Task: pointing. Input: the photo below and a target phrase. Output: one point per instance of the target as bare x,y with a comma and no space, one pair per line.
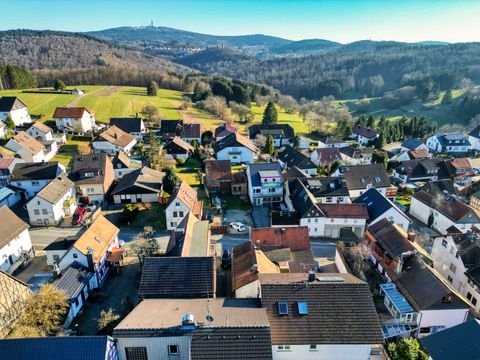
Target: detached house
30,178
191,132
190,238
282,134
141,185
363,135
457,258
224,130
183,200
236,148
325,157
114,140
443,212
356,156
324,316
265,183
121,164
289,157
74,119
6,169
178,148
13,107
448,143
361,178
218,176
134,126
29,149
93,175
53,203
93,248
474,138
412,144
330,142
15,243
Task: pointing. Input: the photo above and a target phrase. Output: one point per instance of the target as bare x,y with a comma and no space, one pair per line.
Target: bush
180,161
128,214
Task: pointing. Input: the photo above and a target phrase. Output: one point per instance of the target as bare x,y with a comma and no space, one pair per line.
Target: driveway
260,216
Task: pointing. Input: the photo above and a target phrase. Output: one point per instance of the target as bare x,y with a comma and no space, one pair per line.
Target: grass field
67,151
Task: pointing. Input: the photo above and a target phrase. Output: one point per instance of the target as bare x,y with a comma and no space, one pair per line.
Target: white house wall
19,116
323,352
442,317
245,156
249,291
14,249
157,346
173,221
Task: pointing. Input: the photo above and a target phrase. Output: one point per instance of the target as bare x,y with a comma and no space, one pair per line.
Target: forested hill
61,50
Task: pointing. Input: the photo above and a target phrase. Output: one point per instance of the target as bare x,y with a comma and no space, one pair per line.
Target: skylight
282,308
302,308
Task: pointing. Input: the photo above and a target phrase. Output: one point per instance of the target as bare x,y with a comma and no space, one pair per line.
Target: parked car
238,226
78,215
92,206
226,259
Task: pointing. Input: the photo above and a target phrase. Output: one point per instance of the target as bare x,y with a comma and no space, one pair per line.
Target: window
173,224
309,220
313,347
36,183
283,308
36,212
424,330
177,204
38,202
75,256
453,268
136,353
444,243
447,299
173,349
283,347
450,279
44,212
302,308
180,213
474,301
175,214
469,296
316,220
329,199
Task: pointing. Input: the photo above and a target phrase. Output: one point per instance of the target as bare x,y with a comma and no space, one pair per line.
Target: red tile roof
70,112
218,170
295,238
352,211
6,162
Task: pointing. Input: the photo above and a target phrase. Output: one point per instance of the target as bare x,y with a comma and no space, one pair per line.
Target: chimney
188,321
411,237
311,276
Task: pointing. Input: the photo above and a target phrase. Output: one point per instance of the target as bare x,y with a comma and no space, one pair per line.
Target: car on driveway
238,226
226,259
92,206
78,215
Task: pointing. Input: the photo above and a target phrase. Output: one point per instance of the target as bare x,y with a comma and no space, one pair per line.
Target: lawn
189,171
150,215
67,151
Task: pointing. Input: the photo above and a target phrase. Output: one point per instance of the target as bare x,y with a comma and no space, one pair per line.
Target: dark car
78,215
226,259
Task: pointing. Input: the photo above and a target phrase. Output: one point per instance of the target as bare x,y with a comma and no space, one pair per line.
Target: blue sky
339,20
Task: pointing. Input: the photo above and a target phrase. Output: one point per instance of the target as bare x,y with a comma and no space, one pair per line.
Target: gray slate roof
358,177
141,181
73,280
292,157
35,171
255,170
129,125
9,103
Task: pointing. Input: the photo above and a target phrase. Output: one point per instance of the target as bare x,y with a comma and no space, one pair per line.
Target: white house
352,156
141,185
331,141
282,134
181,202
33,177
121,164
114,140
327,189
363,135
265,183
15,243
134,126
448,143
379,207
361,178
41,131
443,213
456,258
93,248
178,148
29,149
13,107
474,138
413,144
297,310
53,203
74,119
288,157
236,148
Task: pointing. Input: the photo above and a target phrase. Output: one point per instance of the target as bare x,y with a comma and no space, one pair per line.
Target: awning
115,255
396,297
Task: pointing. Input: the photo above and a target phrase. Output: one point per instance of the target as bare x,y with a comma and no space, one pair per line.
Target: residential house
474,138
76,282
265,183
9,197
379,208
282,134
363,135
178,148
300,143
16,109
191,132
141,185
190,238
5,153
40,131
460,170
420,303
328,141
442,212
457,258
236,148
457,342
239,183
218,176
134,126
29,149
92,249
30,178
114,140
324,316
121,164
171,277
224,130
440,188
448,143
183,200
288,157
361,178
53,203
60,348
15,243
170,128
390,246
352,156
324,219
6,169
93,175
212,329
413,144
328,189
411,155
324,157
475,201
57,249
74,119
13,294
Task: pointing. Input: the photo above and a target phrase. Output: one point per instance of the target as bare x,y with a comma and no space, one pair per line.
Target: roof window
283,308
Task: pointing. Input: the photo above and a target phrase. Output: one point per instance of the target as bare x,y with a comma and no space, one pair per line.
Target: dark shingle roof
58,348
340,311
326,186
453,140
390,238
234,139
303,201
475,132
458,342
35,171
129,125
218,170
292,157
231,343
83,164
140,181
358,177
365,132
256,168
439,187
376,203
412,143
121,160
224,130
177,277
9,103
191,130
276,130
73,280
